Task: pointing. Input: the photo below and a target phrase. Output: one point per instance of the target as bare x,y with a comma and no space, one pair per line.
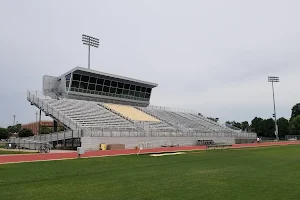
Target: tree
14,129
213,119
60,129
263,127
295,110
234,125
46,130
283,126
267,128
4,133
256,125
295,125
25,132
245,126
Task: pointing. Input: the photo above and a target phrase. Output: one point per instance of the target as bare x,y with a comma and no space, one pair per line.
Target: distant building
35,126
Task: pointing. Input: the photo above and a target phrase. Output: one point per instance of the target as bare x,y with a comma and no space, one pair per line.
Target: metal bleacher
89,114
88,118
140,118
185,122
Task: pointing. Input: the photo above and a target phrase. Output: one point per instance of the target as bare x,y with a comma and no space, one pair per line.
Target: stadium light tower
90,41
273,79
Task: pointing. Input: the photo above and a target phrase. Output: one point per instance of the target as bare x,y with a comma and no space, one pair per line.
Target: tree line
266,127
5,133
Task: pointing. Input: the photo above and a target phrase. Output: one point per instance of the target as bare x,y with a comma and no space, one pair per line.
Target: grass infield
250,173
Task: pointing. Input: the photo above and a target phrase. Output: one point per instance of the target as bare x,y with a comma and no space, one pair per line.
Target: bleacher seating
185,121
90,114
132,113
89,118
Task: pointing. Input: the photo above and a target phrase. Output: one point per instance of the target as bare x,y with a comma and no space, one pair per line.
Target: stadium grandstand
96,107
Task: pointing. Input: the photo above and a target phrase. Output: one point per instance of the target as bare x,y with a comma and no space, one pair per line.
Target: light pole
90,41
273,79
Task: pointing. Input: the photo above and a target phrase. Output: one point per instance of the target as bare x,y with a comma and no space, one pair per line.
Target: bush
25,132
4,133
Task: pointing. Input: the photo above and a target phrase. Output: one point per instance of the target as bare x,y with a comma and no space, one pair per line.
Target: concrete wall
92,143
50,83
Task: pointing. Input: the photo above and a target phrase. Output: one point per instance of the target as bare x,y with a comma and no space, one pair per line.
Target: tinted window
142,94
85,78
126,86
75,84
100,81
92,80
137,94
119,91
131,93
105,89
91,86
125,92
114,83
132,87
68,77
112,90
120,85
83,85
99,88
107,82
76,77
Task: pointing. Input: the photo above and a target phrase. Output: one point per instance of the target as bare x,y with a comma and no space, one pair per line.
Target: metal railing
156,133
27,143
292,137
39,100
172,109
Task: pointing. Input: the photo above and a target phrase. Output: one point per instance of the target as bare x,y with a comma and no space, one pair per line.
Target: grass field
3,151
2,145
250,173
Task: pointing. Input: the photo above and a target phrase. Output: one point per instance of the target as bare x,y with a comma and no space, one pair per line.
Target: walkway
18,158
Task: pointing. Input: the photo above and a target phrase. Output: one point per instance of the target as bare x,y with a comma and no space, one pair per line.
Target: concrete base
93,143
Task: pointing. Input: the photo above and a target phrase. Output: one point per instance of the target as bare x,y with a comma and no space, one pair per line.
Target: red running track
18,158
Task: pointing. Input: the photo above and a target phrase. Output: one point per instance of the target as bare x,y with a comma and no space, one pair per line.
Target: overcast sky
210,56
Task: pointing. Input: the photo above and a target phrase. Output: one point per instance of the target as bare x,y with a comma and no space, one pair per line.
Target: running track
15,158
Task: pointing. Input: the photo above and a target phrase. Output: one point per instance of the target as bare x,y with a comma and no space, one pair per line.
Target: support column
54,126
40,122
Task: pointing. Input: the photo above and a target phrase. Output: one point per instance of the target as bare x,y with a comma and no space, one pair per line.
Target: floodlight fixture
91,42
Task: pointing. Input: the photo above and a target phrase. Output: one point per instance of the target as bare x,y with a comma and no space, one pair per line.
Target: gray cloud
209,56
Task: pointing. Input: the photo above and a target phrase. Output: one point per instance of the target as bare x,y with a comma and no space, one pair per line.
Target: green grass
2,145
256,173
3,151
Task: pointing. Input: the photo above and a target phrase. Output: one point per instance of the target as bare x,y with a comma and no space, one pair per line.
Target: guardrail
27,144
